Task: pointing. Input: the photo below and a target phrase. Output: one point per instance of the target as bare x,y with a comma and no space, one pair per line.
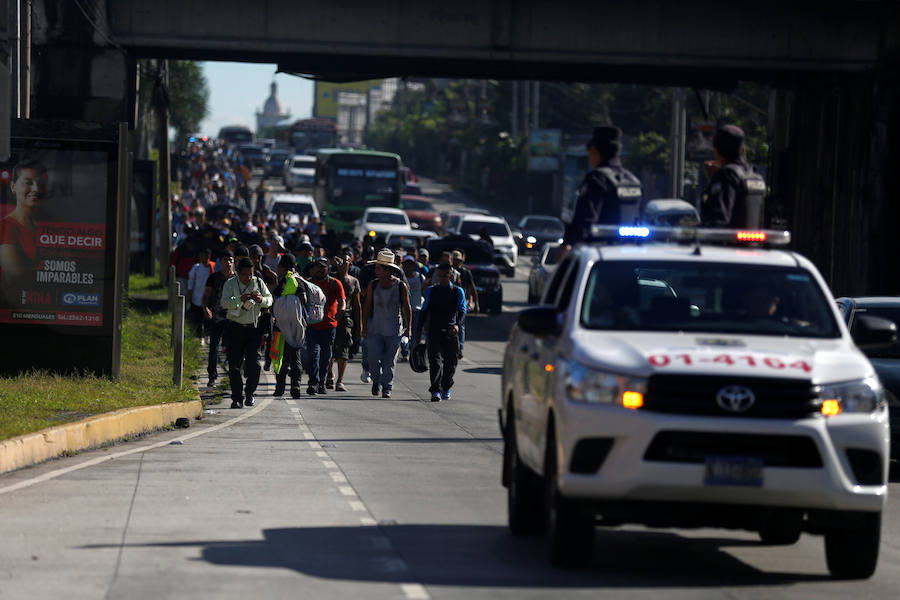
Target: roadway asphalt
351,496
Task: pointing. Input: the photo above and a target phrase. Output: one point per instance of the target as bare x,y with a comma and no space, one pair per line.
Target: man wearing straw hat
386,318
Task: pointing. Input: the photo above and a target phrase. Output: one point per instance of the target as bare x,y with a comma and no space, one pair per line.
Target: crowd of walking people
311,311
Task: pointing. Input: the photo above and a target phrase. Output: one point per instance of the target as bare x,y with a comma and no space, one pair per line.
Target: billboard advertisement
59,243
326,104
544,149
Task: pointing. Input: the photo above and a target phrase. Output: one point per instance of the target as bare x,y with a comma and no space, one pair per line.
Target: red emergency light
751,236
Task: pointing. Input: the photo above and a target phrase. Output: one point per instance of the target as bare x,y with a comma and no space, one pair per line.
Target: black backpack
748,208
629,192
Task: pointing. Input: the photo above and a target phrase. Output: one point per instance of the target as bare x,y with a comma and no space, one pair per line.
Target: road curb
33,448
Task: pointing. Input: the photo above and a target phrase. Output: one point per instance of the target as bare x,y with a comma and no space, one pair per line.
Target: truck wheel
523,491
570,530
853,553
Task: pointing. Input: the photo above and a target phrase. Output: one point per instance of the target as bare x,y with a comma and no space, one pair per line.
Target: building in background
271,115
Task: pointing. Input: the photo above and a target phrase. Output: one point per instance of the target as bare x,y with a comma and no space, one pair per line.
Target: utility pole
515,111
161,104
676,143
536,106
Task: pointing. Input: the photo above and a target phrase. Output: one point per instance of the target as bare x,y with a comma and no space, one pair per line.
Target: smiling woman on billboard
18,230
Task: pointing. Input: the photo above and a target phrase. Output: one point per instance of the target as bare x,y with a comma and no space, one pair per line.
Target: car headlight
531,239
862,396
584,384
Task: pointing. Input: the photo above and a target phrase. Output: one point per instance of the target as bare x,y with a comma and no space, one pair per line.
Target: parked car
421,212
542,269
480,260
300,172
535,231
411,239
885,360
255,156
497,229
670,212
296,207
277,159
379,222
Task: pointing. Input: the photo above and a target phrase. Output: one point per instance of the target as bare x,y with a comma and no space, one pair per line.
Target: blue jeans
462,333
318,354
364,351
383,359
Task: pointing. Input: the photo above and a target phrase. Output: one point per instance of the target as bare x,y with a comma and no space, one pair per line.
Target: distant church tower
272,113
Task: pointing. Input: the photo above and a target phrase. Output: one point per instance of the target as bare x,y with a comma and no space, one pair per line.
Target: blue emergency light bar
685,235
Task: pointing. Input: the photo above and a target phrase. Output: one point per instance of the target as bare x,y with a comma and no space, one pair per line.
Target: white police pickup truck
694,378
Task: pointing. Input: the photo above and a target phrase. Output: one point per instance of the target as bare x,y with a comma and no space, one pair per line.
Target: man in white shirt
197,277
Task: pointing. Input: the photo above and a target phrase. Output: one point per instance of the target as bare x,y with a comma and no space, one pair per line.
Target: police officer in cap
609,194
735,195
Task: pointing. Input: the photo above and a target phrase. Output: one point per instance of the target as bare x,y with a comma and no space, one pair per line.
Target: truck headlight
584,384
862,396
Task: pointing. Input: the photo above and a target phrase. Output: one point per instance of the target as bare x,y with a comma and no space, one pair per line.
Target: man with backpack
243,297
320,335
289,310
442,312
736,194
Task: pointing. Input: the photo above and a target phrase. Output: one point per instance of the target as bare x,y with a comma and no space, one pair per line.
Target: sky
238,90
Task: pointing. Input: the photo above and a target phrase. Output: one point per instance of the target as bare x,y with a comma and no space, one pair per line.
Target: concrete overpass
834,116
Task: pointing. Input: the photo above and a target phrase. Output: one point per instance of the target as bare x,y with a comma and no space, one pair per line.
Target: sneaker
340,387
212,382
386,394
310,391
329,384
236,404
321,390
445,395
435,397
375,389
279,389
249,401
295,392
364,377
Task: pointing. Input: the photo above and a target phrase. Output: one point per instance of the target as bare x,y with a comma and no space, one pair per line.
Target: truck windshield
707,298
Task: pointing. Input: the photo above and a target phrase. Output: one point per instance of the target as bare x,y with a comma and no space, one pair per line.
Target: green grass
146,285
33,401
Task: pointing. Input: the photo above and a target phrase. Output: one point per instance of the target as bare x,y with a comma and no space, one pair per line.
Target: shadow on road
485,370
488,556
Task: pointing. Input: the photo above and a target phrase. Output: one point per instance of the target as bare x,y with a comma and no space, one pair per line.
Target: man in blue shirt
442,313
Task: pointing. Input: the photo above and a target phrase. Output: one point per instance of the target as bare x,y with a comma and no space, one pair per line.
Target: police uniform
609,195
735,195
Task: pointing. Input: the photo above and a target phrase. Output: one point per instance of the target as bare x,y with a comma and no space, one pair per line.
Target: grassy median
36,400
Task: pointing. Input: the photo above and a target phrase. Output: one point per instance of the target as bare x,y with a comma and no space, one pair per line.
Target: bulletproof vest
629,194
750,203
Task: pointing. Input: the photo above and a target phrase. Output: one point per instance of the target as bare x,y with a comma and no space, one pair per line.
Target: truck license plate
734,470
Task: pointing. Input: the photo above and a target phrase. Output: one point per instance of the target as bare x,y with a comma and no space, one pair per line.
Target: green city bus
348,181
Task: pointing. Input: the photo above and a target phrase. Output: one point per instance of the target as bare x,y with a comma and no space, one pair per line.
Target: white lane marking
329,464
294,409
315,445
346,490
291,402
321,454
308,435
415,591
367,521
101,459
357,506
379,543
338,477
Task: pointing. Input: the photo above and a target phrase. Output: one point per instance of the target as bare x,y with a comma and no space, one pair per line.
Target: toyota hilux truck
694,378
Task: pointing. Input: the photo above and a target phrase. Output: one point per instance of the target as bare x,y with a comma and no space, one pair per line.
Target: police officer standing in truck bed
609,194
735,194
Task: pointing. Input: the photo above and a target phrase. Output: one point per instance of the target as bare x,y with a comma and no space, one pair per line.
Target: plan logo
80,299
